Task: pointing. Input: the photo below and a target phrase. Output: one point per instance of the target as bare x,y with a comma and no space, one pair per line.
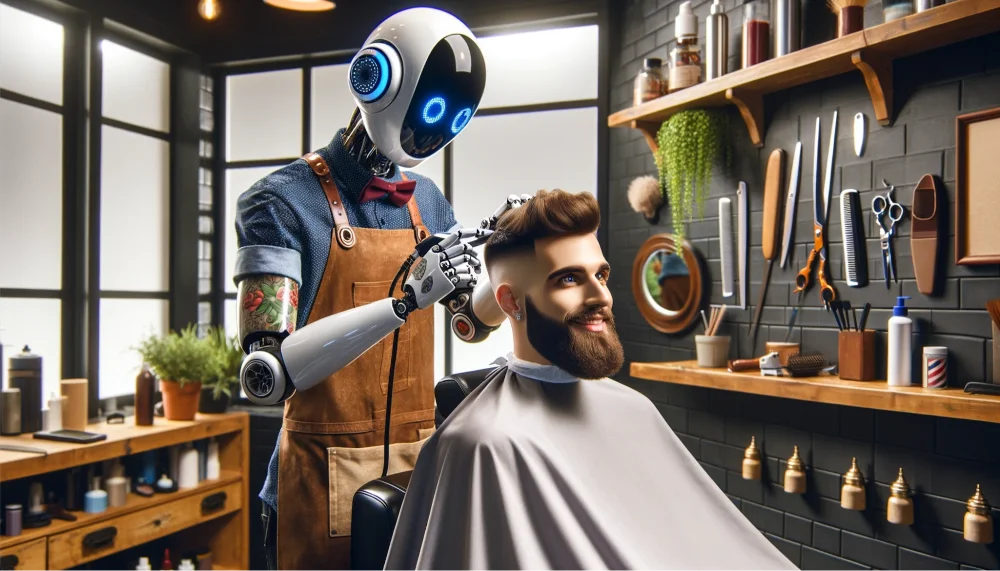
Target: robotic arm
474,310
285,362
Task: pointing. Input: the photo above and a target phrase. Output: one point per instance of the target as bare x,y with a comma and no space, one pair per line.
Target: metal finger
460,261
464,282
447,242
525,198
457,250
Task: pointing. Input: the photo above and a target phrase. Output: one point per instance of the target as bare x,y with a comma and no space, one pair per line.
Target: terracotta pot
180,403
210,405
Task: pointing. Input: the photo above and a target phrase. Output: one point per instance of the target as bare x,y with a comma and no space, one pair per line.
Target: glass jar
896,9
756,33
685,66
649,84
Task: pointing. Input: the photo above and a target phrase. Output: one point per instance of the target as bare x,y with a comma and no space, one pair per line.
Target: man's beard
581,353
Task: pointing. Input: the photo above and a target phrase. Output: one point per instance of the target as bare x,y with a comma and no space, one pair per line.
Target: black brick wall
942,459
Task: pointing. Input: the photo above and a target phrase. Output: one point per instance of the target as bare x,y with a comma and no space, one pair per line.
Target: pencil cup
856,355
712,350
784,350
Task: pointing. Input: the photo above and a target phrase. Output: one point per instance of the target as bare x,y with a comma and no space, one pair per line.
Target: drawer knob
9,562
100,538
214,502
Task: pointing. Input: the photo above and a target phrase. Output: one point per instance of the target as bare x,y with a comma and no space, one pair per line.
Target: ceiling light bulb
303,5
209,9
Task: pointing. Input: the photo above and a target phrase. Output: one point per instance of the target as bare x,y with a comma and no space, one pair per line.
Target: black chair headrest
450,390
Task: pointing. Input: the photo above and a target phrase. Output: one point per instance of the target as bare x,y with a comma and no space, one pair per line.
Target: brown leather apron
333,434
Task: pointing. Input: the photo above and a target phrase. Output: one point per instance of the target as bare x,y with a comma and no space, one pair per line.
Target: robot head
418,81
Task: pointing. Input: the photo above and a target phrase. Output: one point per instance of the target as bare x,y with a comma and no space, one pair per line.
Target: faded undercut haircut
548,214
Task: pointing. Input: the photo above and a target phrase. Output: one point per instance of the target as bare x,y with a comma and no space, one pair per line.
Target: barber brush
795,475
852,494
645,197
751,461
808,365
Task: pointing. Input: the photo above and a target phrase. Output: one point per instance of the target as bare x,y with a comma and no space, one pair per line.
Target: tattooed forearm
268,303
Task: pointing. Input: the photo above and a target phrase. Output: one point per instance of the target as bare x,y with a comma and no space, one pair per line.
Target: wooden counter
878,395
216,511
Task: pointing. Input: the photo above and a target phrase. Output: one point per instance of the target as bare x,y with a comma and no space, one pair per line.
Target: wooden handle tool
769,231
739,365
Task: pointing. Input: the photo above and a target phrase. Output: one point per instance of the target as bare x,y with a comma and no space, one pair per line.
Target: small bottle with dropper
685,59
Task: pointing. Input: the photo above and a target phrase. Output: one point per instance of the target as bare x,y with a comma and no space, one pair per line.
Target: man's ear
506,299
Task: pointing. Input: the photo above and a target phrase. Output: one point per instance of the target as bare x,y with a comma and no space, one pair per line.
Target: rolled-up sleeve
267,238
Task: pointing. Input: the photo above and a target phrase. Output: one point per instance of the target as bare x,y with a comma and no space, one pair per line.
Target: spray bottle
900,345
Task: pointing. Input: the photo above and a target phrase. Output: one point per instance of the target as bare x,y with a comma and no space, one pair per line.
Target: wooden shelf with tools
877,395
871,51
215,513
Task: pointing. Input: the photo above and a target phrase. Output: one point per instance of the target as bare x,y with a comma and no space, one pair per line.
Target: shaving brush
850,15
852,494
751,461
978,521
645,197
795,475
900,507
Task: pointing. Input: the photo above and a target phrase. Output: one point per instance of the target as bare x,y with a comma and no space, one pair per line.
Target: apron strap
345,234
420,232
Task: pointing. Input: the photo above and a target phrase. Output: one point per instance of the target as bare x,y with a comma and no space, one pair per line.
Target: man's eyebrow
605,267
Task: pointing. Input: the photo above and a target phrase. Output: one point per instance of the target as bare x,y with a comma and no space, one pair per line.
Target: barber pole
935,367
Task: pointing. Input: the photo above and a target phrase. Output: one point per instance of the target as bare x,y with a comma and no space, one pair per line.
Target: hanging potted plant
222,373
689,144
180,361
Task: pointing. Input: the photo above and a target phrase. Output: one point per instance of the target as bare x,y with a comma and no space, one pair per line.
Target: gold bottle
900,507
978,521
751,461
795,476
852,494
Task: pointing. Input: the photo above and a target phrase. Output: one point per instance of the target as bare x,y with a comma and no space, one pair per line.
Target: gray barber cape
538,470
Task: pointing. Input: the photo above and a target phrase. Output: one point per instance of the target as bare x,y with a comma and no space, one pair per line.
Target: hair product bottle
716,42
900,345
685,59
145,393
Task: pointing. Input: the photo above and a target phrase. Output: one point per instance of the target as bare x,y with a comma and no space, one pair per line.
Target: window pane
237,182
124,324
30,197
31,55
264,115
135,211
36,323
332,103
540,67
136,87
231,318
569,162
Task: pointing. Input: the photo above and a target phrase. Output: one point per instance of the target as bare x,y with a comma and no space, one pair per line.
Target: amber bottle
145,392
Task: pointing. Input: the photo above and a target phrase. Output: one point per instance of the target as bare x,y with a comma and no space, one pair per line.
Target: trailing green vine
688,145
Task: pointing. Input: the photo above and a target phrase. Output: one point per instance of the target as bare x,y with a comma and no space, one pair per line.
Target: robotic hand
299,360
474,310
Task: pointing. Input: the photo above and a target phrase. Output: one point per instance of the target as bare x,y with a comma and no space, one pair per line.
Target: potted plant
688,145
222,372
179,361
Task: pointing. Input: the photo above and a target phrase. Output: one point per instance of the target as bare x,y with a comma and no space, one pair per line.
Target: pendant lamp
303,5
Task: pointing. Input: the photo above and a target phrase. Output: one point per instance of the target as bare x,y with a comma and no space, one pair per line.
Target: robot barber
341,258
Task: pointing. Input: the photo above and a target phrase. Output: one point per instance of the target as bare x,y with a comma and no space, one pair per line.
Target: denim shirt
284,227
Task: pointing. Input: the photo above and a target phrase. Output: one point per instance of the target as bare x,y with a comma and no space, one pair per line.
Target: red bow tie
398,192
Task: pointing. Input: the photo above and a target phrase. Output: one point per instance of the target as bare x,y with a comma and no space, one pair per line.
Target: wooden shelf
871,51
948,403
123,439
133,503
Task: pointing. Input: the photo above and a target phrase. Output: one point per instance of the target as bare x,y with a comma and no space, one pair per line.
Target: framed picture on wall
977,195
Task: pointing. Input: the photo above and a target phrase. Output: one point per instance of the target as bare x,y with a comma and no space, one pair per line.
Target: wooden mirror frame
688,314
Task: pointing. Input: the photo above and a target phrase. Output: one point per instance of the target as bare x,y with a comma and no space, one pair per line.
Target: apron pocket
380,355
351,468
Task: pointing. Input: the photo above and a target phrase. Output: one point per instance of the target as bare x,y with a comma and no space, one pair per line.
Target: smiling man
551,464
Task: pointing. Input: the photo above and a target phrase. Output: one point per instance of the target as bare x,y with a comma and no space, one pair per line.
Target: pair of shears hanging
885,207
821,203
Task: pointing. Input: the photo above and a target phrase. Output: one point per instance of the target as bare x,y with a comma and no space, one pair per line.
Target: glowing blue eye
434,110
461,120
370,76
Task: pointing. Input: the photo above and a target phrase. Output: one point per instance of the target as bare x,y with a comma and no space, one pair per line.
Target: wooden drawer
85,544
30,555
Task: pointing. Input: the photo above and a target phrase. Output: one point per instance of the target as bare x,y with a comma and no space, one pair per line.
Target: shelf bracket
877,72
751,106
649,130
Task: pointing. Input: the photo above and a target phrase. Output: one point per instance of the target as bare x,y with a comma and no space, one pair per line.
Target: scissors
885,207
821,200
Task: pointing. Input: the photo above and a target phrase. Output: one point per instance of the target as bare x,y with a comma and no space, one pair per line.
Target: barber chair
376,504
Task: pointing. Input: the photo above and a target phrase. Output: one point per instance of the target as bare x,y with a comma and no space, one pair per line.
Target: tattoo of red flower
252,300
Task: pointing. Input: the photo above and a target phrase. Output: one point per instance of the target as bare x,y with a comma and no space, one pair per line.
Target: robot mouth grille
259,379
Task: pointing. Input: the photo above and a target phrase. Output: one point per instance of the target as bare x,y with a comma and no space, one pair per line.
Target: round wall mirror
667,286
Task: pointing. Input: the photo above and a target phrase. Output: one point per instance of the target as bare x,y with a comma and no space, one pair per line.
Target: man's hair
549,213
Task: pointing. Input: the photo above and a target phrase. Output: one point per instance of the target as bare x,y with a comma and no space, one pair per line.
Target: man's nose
598,293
